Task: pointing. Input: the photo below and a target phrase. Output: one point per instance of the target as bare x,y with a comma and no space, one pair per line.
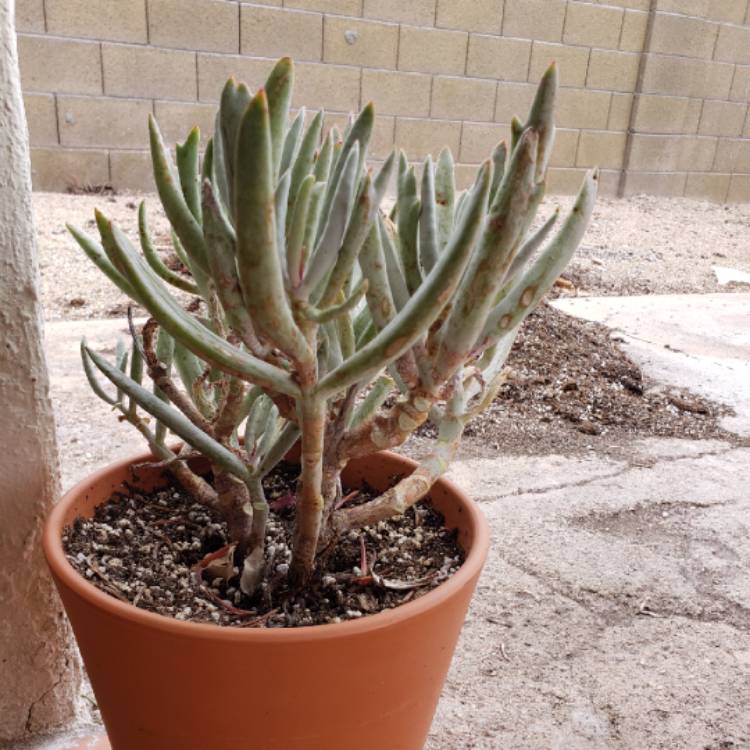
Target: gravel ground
649,245
642,245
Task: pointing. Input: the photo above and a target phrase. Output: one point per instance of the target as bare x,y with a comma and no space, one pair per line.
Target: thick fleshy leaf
153,259
305,158
501,236
423,307
174,203
193,334
297,225
292,142
536,281
188,167
278,89
257,257
327,248
428,230
173,419
96,254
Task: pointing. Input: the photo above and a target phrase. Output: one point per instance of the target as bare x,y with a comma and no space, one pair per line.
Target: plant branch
158,373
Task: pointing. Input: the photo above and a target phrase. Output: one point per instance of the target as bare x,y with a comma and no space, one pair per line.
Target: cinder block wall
440,72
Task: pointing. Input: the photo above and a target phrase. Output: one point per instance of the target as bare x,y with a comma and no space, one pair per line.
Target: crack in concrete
630,465
615,612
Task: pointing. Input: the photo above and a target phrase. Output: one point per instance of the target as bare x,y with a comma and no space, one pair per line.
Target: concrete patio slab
614,610
88,433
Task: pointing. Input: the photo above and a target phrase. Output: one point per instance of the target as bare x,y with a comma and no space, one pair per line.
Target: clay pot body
370,684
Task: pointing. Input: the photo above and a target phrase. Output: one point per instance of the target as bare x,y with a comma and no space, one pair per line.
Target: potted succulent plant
327,324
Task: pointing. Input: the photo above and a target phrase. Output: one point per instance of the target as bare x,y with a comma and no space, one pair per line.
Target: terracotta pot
370,684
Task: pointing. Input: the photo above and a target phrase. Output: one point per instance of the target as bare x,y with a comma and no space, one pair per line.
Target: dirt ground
614,610
641,245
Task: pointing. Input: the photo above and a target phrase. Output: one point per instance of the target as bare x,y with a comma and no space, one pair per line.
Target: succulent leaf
177,422
257,257
424,306
153,259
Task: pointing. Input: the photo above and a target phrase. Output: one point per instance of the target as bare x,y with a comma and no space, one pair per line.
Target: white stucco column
39,672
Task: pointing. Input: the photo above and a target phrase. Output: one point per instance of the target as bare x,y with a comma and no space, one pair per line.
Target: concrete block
573,62
728,11
149,72
333,87
565,148
682,76
633,31
211,25
465,175
397,93
421,137
707,187
432,50
667,184
632,4
564,181
734,44
613,71
478,139
722,118
534,19
668,114
654,152
733,155
740,91
582,108
383,135
739,188
273,32
341,7
417,12
30,15
471,15
609,182
215,70
57,169
697,8
664,153
599,148
316,86
351,41
697,153
593,25
498,57
681,35
463,98
121,21
619,112
41,116
93,121
513,99
177,119
61,65
131,170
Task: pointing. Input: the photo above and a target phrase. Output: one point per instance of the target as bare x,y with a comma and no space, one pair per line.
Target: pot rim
70,577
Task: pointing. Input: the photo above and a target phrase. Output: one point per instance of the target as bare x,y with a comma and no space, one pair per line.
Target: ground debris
570,384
